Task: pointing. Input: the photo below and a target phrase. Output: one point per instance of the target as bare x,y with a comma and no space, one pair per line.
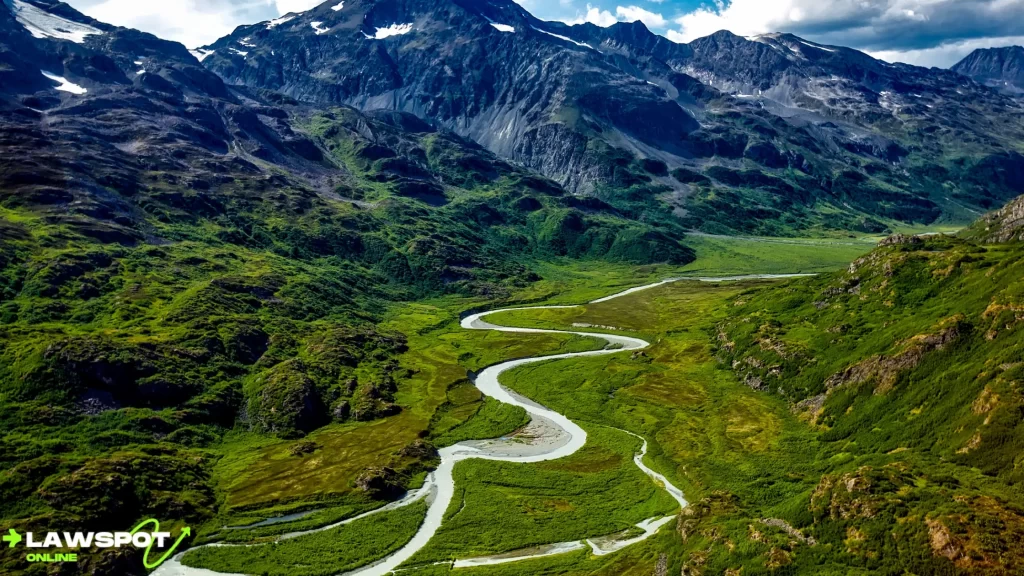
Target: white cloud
944,55
921,29
191,22
594,16
634,13
930,32
751,17
288,6
876,24
605,18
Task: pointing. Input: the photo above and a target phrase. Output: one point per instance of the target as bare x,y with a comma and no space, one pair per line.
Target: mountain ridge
622,94
1000,68
612,99
147,110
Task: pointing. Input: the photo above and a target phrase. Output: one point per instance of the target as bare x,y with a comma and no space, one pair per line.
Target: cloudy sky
925,32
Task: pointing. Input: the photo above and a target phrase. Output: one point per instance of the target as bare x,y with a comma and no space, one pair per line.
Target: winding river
551,436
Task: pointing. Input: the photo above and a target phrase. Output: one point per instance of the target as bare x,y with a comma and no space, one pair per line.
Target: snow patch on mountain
318,27
65,85
278,21
503,27
564,38
393,30
42,24
201,54
817,46
337,7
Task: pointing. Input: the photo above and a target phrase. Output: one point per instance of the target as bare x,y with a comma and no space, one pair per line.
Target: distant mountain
768,134
1000,68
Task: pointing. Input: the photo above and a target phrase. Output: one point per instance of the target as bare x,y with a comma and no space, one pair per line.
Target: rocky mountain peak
631,39
531,91
773,125
1003,225
581,104
1000,68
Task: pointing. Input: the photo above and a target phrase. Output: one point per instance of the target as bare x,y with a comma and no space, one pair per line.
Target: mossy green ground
500,506
741,455
710,434
665,397
441,401
254,476
323,553
908,465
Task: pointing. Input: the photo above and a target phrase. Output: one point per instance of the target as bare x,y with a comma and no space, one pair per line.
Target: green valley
129,375
437,287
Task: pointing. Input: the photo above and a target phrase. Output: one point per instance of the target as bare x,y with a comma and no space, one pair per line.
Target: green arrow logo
156,527
12,538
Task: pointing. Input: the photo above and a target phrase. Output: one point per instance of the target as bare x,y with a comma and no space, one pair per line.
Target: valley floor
720,441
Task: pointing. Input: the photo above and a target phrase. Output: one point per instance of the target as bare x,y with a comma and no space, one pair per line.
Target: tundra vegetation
233,310
863,419
213,382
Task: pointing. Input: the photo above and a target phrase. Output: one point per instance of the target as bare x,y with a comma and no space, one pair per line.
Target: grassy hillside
908,365
170,376
300,353
859,422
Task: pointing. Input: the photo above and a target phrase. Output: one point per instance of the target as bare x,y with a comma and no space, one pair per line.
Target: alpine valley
235,285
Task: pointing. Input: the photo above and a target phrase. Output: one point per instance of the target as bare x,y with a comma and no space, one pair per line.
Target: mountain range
770,134
782,128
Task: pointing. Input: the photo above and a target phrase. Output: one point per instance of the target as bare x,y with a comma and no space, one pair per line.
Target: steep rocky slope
487,70
797,132
1000,68
1004,225
134,135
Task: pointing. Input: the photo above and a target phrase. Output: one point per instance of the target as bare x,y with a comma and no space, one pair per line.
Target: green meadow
740,455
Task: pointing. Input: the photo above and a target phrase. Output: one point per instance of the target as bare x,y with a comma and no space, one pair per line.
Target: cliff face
1005,225
580,104
1000,68
487,70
